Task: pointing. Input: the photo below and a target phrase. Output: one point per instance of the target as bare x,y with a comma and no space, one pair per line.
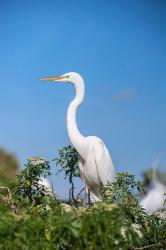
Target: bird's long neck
76,138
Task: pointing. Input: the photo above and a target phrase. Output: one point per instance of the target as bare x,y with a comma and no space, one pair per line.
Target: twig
79,193
146,247
4,198
8,199
1,187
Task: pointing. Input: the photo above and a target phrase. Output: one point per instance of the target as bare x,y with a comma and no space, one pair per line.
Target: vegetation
35,219
9,168
8,165
67,162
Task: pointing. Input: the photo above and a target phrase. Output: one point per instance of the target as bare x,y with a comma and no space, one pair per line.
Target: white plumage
154,200
95,160
97,167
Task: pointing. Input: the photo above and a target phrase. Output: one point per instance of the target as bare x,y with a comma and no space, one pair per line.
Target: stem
79,193
146,247
72,191
30,195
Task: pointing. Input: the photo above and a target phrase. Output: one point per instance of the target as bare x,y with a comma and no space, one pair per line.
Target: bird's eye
67,76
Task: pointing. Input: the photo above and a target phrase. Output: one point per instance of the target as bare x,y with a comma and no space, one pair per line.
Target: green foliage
67,162
28,181
28,193
122,191
118,222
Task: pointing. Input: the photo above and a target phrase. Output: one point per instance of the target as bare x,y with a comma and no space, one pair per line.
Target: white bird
95,162
154,200
44,183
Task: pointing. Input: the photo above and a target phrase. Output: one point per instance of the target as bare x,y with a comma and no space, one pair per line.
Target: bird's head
71,77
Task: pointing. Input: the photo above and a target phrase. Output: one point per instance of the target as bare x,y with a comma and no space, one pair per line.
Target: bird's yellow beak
54,78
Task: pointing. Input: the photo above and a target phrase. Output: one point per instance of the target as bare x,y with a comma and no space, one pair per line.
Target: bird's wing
103,163
93,195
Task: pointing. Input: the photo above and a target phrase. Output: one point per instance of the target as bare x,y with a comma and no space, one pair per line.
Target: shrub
118,222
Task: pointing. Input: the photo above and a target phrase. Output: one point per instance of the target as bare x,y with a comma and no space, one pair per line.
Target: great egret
95,162
154,200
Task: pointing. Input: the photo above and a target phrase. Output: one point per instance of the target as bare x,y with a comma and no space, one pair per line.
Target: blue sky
119,47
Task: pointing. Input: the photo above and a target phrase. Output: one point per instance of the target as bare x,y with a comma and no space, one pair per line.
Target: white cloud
124,96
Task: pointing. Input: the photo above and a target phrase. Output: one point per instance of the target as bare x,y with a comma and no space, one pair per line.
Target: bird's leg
85,187
84,197
89,200
86,192
69,195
